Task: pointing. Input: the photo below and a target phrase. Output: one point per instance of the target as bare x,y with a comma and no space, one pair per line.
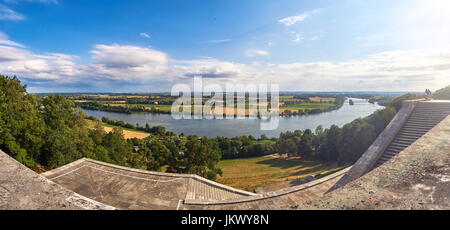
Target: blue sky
147,46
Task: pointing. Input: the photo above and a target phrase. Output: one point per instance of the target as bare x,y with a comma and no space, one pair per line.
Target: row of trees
344,145
93,105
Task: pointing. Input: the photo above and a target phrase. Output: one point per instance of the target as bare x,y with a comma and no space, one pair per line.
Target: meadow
248,174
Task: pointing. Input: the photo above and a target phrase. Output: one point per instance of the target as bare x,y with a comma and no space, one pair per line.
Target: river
239,127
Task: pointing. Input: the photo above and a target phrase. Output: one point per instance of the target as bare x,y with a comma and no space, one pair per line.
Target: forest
48,132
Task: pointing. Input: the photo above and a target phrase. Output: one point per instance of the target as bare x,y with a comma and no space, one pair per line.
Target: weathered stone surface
23,189
417,178
288,198
127,188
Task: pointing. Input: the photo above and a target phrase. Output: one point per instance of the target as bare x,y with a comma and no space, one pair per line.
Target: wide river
239,127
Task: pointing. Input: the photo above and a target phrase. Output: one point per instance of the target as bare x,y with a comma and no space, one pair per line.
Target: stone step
391,152
401,145
412,134
422,123
404,141
396,148
426,118
423,118
428,115
414,131
385,158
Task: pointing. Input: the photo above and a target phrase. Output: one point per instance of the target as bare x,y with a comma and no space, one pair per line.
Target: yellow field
248,174
128,134
323,99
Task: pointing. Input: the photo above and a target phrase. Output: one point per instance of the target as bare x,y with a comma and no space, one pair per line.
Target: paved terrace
126,188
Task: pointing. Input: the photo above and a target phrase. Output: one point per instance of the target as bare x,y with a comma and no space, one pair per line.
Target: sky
143,46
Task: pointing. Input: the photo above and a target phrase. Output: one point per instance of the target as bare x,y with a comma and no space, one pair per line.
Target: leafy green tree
202,156
118,148
22,124
160,152
305,146
333,138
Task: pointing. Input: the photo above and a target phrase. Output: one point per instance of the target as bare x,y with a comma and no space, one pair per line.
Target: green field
163,103
247,174
163,108
309,106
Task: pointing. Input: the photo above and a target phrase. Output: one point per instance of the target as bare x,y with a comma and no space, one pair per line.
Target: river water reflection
239,127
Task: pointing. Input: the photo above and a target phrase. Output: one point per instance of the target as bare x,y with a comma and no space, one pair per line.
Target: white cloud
314,38
134,65
289,21
393,70
5,41
298,38
18,61
145,35
219,41
10,15
254,53
211,68
127,62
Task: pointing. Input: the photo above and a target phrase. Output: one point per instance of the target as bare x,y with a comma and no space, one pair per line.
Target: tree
333,138
67,134
175,159
22,127
305,146
160,152
202,156
117,146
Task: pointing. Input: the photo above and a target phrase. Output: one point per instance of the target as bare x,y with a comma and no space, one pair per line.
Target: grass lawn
247,174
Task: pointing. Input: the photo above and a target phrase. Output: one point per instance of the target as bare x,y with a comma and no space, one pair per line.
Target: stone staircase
198,190
424,117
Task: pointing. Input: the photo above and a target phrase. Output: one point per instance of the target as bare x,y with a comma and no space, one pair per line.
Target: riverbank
289,105
238,127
